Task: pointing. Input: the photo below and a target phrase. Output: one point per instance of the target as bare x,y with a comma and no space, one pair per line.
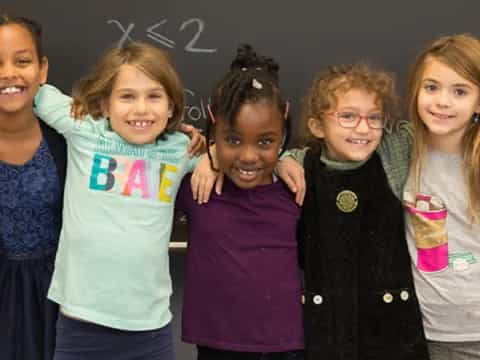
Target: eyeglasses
351,119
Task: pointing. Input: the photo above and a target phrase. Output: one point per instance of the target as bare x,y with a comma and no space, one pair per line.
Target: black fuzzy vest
360,302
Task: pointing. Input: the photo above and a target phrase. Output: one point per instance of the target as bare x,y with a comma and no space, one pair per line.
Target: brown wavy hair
91,90
336,80
461,53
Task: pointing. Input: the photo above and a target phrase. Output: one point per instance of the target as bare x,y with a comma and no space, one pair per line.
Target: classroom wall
303,36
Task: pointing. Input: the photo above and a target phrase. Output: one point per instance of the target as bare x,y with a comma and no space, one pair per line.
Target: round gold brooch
347,201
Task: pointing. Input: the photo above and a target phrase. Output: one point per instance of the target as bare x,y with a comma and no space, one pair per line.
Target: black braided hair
236,89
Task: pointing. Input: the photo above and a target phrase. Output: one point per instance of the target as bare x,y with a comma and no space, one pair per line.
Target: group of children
387,236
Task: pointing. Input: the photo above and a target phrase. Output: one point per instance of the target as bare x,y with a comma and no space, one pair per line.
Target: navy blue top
30,196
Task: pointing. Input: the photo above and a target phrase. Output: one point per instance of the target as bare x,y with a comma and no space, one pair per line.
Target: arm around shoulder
53,107
395,151
290,169
297,154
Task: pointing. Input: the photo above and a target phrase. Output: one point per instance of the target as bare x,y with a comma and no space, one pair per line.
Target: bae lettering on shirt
137,172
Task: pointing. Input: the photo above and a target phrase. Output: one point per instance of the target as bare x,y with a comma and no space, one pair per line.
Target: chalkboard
202,35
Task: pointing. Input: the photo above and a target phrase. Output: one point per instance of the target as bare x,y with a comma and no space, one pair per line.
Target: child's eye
232,140
459,92
126,96
156,96
347,116
265,142
430,87
376,120
375,117
24,61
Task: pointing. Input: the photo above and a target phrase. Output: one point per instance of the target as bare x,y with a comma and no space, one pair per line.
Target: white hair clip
257,84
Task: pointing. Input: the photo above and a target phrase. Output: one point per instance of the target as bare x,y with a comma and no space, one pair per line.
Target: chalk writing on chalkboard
154,33
195,109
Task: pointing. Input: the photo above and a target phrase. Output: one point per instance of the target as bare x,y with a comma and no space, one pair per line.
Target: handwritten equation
157,33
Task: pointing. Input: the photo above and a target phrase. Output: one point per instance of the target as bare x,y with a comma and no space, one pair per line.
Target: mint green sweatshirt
112,262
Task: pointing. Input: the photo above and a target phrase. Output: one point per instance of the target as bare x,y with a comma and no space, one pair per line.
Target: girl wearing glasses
359,299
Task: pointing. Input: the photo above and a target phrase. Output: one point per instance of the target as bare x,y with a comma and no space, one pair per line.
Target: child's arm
395,151
290,169
297,154
53,107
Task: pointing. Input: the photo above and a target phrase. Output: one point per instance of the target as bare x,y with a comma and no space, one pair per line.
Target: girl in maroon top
242,295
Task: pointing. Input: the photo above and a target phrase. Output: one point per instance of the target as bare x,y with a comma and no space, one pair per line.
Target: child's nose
362,126
7,71
443,99
248,154
141,106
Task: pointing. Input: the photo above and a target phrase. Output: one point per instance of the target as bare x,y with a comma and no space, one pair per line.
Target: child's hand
203,179
198,144
78,111
293,174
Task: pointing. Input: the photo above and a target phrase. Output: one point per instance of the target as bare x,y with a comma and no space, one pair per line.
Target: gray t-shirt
445,248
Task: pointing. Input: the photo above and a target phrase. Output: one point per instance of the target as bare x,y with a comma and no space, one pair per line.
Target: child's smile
247,152
446,102
12,94
139,107
247,174
12,90
358,141
441,116
21,72
352,143
140,124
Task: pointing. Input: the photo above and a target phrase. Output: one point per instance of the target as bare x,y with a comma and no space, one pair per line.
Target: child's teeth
362,142
11,90
141,124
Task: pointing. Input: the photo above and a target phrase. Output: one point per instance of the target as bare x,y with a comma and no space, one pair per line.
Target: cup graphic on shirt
428,217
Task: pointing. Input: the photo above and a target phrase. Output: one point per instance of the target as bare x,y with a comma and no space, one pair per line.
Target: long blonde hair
461,53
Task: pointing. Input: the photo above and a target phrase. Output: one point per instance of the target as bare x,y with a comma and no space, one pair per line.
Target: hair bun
248,59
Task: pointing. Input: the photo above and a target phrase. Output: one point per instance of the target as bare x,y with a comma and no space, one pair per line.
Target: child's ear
43,70
316,128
